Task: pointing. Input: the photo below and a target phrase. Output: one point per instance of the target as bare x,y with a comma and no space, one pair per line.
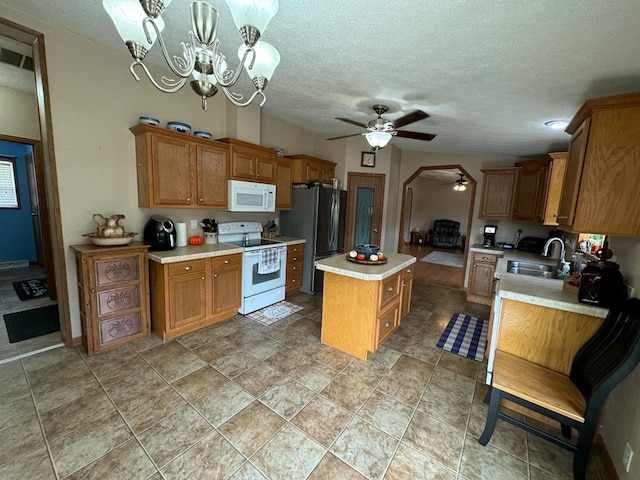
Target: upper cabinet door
213,171
573,172
528,190
243,166
172,171
498,188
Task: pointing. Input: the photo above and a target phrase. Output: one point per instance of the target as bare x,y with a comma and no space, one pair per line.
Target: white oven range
263,264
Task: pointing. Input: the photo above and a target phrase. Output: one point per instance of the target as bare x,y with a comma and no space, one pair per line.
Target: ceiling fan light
459,187
378,139
127,16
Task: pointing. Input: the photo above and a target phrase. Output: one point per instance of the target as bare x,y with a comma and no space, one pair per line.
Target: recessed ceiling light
557,124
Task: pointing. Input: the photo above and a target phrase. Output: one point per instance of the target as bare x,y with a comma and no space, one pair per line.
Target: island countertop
339,265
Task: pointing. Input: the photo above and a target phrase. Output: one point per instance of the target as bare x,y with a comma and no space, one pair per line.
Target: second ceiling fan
380,131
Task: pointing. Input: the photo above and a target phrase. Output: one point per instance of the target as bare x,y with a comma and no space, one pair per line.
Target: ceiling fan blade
416,135
343,136
352,122
409,118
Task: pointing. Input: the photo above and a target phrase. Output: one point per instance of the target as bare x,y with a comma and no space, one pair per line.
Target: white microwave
251,197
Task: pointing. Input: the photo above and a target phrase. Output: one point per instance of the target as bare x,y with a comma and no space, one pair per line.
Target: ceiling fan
460,185
380,131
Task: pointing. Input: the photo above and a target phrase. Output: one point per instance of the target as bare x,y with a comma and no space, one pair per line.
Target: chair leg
492,416
566,431
581,458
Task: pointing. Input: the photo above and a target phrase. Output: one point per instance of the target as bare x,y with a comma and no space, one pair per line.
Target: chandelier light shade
377,139
140,24
459,187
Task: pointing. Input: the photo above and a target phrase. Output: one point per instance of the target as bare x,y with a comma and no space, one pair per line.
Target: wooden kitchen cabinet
179,171
250,162
498,189
310,169
113,290
189,295
284,178
295,257
359,315
530,189
405,292
599,193
483,269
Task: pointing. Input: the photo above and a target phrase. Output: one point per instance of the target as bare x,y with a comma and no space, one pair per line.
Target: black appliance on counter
160,233
531,244
601,281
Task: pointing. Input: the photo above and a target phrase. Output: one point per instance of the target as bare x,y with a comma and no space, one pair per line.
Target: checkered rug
273,313
466,336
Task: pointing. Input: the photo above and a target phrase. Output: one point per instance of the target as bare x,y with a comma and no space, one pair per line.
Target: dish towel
269,261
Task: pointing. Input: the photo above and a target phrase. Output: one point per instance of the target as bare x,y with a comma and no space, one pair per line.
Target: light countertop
341,266
194,252
539,291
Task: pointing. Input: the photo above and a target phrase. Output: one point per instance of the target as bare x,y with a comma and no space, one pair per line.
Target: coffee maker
489,233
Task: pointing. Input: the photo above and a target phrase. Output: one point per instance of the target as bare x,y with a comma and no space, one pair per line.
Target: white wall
433,200
19,114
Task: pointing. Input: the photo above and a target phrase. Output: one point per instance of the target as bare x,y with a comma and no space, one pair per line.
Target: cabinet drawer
407,273
294,257
117,270
295,249
226,260
386,324
181,268
112,301
115,329
484,258
390,289
294,277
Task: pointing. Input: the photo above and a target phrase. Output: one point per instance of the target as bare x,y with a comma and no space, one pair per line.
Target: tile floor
245,401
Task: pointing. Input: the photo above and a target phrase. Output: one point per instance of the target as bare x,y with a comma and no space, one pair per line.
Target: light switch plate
194,224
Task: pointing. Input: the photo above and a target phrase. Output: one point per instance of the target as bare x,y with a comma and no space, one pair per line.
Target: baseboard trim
606,464
76,341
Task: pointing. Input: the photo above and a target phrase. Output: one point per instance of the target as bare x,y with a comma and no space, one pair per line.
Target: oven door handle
257,252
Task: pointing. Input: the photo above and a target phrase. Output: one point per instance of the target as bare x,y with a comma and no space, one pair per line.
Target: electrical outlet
194,224
627,456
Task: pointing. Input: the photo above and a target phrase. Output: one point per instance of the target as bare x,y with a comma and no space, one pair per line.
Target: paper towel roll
181,234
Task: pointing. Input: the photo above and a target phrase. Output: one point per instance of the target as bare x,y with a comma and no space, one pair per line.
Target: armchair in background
445,234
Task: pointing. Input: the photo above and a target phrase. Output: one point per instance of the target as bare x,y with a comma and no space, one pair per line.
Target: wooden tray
367,262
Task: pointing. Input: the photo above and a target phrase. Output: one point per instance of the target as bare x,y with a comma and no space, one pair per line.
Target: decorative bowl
202,134
110,241
367,249
150,121
179,127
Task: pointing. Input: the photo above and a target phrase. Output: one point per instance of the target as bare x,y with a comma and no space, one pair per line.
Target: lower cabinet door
187,304
387,323
119,328
227,286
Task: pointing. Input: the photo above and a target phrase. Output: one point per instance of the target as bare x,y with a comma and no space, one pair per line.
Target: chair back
446,226
610,355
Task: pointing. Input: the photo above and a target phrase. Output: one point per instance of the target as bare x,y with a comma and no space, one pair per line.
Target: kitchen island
363,304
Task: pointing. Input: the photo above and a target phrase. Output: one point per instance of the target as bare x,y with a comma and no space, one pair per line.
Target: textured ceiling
489,73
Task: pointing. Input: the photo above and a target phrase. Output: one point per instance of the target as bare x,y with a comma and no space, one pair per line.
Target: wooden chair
575,400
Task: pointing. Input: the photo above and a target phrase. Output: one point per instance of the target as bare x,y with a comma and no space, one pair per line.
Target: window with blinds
8,185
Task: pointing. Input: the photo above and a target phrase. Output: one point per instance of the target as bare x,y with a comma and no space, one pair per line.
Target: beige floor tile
199,383
459,385
445,406
331,467
48,358
223,403
120,367
259,378
410,464
33,466
51,395
134,386
333,358
126,461
401,387
248,472
347,393
384,356
212,351
173,435
251,428
365,448
169,351
57,372
435,439
16,409
86,444
427,353
479,463
150,409
233,364
287,360
302,454
263,348
212,457
506,437
287,397
198,338
20,439
549,457
174,370
414,368
460,365
75,414
366,372
146,343
314,375
386,413
322,420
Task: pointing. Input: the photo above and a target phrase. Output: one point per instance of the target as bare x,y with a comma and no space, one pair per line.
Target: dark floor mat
30,289
32,323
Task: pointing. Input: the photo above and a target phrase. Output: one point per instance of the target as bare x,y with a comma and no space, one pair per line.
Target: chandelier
139,23
460,185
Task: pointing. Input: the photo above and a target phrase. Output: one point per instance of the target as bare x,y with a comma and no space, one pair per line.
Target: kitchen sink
531,269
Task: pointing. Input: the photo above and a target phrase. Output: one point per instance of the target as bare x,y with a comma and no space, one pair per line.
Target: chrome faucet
561,261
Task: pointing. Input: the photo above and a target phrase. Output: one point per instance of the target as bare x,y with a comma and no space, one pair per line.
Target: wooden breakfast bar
363,304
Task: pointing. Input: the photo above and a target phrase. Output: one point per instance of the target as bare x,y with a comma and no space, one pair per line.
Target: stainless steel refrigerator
318,215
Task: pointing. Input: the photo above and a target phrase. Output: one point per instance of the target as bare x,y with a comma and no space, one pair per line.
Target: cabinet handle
390,289
404,284
202,278
188,199
295,259
475,266
387,324
408,270
485,258
294,268
215,275
201,200
293,281
188,267
226,262
561,216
